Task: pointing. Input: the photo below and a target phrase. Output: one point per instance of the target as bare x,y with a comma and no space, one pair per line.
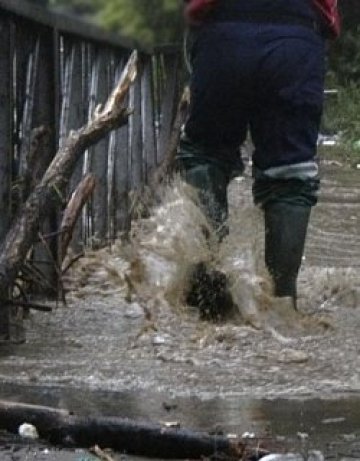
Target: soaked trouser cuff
293,184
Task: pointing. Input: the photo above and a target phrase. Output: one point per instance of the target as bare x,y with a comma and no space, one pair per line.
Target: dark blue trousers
264,78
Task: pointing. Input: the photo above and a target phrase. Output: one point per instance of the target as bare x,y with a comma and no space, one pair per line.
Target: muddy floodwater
127,345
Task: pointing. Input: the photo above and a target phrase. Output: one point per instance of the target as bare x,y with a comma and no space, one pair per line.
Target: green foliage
344,59
147,21
342,116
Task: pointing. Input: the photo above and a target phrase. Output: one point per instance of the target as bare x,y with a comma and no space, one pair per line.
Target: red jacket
197,10
328,10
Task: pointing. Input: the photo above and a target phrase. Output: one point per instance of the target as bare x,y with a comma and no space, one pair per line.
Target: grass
342,116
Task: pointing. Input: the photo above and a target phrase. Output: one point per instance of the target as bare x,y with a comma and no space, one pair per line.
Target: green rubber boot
285,233
209,174
211,185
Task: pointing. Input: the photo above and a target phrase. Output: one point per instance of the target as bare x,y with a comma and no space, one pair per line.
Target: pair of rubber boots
285,233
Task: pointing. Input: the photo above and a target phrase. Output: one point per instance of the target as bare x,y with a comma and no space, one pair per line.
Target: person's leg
285,130
209,177
209,153
285,233
209,149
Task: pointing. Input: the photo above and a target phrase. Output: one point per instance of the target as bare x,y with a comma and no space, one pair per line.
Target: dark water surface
333,426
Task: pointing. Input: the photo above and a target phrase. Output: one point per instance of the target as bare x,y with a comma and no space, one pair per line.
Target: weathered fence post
6,126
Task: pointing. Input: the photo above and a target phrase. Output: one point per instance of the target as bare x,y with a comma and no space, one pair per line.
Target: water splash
157,264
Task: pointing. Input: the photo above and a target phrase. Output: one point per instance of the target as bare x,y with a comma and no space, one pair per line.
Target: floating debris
159,340
134,311
313,455
292,356
28,431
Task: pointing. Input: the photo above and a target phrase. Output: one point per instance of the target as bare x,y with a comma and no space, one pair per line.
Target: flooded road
127,345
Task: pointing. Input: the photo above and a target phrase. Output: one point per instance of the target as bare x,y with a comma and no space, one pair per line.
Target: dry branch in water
168,162
52,187
73,209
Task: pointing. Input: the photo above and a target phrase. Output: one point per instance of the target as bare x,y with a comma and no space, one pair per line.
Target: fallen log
52,188
60,427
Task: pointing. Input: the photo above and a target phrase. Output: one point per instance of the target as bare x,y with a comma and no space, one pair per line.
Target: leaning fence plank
28,108
121,176
5,144
74,112
91,78
136,143
24,79
168,102
112,66
148,119
43,114
122,181
5,124
99,155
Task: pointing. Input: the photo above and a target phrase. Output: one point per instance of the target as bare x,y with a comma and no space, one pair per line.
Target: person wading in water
258,65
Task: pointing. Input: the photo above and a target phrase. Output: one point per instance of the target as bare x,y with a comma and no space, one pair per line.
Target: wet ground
332,425
127,345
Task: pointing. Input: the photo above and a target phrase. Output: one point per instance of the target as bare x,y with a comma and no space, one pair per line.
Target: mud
126,344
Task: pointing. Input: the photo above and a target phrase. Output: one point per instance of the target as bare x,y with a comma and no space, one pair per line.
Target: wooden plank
74,113
5,146
122,182
44,115
5,124
24,76
168,102
148,119
122,174
91,76
111,160
136,141
27,123
99,153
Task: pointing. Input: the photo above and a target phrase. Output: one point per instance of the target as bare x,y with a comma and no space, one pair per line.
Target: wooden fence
54,71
